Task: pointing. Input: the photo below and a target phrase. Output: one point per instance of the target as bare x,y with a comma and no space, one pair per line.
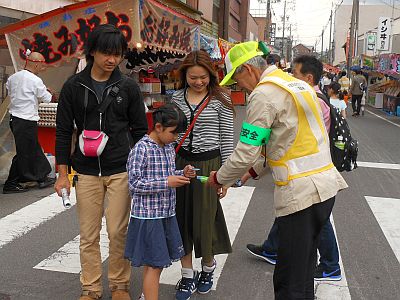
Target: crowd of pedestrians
143,180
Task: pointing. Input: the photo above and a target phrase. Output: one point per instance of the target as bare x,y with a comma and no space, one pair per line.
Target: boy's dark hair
273,59
107,39
310,65
335,86
344,73
169,115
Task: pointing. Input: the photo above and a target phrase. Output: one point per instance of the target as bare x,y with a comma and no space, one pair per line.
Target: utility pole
322,44
283,30
268,23
356,28
289,52
352,33
330,42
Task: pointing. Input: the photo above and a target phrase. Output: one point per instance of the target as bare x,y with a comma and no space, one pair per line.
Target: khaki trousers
91,194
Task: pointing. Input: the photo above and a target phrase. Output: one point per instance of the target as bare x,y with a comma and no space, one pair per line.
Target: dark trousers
328,249
356,103
327,246
29,163
298,235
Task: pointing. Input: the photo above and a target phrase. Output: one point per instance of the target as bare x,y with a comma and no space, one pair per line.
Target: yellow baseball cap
237,56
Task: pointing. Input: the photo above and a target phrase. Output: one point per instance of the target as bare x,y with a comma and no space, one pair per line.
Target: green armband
254,135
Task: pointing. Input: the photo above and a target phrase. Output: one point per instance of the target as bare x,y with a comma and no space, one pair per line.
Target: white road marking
387,212
67,258
333,290
380,117
24,220
234,205
366,164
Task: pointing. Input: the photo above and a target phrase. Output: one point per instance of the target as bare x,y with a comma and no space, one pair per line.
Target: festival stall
387,85
162,37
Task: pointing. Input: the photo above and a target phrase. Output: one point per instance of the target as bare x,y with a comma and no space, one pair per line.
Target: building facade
228,19
368,19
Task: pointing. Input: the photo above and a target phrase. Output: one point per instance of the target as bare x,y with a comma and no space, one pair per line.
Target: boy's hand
189,171
177,181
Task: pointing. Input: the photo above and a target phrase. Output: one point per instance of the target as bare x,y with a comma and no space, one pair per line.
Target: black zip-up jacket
124,121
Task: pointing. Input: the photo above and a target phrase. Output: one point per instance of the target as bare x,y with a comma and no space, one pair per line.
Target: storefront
163,36
384,83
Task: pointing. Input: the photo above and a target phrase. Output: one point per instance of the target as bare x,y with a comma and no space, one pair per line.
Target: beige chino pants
96,196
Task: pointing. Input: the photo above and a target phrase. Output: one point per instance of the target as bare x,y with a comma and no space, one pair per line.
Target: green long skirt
199,213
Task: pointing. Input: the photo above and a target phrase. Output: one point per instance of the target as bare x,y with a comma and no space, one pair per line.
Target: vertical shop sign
371,41
60,35
167,29
384,32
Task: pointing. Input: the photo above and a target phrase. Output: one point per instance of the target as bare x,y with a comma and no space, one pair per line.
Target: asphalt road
369,257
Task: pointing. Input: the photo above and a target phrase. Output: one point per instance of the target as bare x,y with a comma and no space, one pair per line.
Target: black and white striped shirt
213,129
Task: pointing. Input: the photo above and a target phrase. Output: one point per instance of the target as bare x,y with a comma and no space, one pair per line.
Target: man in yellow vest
283,114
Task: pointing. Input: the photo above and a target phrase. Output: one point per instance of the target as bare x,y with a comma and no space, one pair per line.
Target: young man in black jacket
124,122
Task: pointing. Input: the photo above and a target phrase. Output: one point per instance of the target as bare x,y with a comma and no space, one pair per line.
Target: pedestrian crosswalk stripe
234,205
67,259
387,212
375,165
24,220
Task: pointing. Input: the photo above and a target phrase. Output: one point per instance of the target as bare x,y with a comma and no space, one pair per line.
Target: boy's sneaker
186,287
321,275
259,252
206,281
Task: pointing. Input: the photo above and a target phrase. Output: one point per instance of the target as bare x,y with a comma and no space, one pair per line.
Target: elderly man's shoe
12,189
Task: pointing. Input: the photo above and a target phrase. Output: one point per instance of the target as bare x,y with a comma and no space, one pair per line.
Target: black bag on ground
344,149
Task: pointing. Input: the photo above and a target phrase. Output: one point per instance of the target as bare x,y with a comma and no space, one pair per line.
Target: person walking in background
325,82
153,239
283,112
200,217
26,91
336,98
309,69
103,175
358,85
344,82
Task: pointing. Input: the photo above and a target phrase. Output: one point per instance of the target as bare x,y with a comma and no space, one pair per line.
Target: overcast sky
308,17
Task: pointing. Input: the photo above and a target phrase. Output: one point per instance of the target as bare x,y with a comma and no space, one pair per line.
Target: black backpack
344,150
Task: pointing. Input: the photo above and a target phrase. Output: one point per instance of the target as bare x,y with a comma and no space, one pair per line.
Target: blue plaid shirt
149,166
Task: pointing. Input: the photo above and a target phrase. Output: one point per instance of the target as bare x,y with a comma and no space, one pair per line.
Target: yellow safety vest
309,153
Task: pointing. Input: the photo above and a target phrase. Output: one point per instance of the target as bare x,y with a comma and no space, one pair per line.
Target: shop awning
60,34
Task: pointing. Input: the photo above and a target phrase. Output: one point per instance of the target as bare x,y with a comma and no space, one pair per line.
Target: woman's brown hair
203,59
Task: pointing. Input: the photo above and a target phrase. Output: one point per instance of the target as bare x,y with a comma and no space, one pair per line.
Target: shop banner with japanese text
164,28
60,35
384,32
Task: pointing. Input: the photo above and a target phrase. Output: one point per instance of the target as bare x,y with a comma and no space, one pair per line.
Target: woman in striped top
198,210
